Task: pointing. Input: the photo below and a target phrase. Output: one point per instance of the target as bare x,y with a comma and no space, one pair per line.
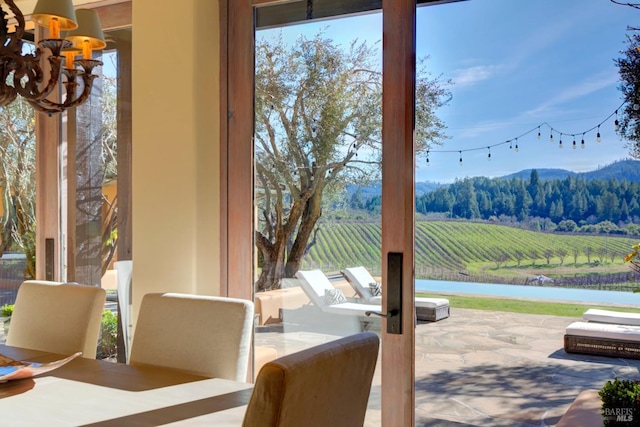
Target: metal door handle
385,315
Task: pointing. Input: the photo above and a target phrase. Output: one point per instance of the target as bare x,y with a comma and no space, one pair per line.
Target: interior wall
176,173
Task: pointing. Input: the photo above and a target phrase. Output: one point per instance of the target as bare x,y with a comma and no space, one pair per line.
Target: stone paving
486,368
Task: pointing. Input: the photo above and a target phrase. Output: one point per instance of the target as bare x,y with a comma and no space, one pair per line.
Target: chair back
314,283
325,385
57,318
202,335
359,278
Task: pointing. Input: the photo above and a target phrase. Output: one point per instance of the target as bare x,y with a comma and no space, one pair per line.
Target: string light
616,124
513,142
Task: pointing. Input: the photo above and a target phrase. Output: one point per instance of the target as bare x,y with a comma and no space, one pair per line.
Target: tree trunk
312,212
306,211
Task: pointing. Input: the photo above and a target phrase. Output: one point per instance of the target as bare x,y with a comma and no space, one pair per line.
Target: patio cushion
359,278
604,330
608,316
334,296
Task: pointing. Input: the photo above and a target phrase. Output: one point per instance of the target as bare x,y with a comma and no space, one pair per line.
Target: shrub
107,346
620,402
6,310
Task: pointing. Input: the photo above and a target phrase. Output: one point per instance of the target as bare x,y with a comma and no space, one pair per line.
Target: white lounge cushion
604,330
315,283
360,278
609,316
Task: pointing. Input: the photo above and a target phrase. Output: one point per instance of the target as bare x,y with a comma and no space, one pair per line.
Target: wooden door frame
237,109
398,196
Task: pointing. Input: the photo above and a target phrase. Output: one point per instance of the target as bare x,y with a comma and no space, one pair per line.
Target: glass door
376,133
317,193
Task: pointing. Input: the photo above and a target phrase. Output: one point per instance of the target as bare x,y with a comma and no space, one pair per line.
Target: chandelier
24,73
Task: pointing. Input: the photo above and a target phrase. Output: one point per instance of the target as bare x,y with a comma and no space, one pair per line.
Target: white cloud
585,87
470,76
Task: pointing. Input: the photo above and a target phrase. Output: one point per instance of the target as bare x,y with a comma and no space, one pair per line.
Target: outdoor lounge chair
604,339
316,285
430,309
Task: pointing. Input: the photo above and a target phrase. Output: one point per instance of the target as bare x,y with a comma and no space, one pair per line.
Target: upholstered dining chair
56,317
203,335
325,385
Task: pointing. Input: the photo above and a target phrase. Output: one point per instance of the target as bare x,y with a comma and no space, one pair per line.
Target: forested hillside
571,204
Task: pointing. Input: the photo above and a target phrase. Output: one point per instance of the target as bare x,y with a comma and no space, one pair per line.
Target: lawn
522,306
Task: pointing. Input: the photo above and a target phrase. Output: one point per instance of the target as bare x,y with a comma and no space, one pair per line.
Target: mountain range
620,170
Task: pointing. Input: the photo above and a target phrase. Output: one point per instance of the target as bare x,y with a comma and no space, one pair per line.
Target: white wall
176,170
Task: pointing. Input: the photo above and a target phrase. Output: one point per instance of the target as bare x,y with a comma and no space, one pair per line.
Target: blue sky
515,65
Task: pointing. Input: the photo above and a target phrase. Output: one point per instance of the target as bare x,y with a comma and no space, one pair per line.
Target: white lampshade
89,28
61,9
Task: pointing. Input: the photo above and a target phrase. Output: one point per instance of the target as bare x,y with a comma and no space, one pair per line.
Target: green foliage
6,310
620,397
629,70
598,204
107,345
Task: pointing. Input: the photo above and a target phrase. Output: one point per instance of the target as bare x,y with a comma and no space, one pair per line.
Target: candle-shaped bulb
69,56
54,28
86,49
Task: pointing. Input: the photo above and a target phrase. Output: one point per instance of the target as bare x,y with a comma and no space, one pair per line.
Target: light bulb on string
489,154
560,143
616,124
574,143
516,147
551,137
598,139
428,158
460,158
582,141
510,145
538,132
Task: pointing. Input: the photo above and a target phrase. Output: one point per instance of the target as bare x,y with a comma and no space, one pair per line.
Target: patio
484,368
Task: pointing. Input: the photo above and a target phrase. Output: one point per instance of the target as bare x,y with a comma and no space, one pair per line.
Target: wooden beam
47,193
398,203
239,150
277,13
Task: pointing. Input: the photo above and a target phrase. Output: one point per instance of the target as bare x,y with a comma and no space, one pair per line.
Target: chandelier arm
31,89
50,107
15,42
7,93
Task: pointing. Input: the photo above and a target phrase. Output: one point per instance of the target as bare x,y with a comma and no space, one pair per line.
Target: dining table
90,392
